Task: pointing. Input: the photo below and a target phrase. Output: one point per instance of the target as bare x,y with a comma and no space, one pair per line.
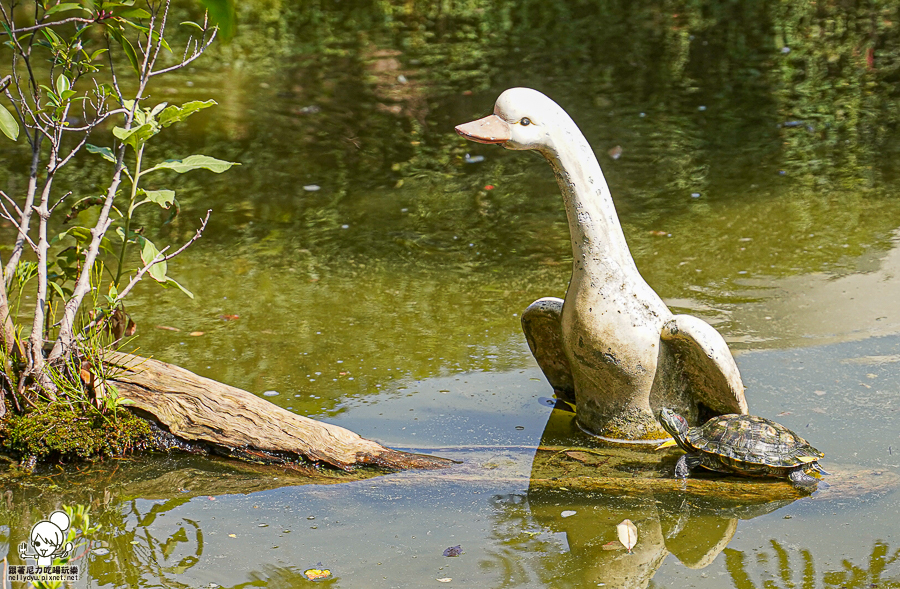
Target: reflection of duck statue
612,347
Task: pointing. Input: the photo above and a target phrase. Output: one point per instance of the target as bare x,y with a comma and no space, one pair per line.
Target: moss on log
202,411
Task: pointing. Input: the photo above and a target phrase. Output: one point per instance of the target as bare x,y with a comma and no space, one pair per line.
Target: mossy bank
62,432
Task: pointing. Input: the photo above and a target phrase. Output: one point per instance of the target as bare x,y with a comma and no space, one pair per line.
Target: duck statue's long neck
593,222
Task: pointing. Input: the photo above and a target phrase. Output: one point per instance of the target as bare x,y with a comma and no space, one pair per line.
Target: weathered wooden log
202,411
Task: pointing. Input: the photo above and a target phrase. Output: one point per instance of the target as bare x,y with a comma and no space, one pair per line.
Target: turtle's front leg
686,464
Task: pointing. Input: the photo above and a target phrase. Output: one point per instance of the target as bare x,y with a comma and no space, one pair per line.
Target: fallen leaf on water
444,580
615,152
196,333
232,535
627,533
659,233
453,551
167,328
783,413
614,545
229,317
317,574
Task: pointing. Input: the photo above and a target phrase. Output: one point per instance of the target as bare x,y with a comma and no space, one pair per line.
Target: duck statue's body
612,346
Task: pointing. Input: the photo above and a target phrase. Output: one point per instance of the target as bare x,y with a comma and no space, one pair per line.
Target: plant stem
134,188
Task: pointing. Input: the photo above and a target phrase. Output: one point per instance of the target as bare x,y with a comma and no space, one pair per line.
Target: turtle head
676,425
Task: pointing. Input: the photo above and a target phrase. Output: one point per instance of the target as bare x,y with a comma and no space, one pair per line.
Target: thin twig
46,25
161,257
59,202
8,216
197,53
98,120
12,202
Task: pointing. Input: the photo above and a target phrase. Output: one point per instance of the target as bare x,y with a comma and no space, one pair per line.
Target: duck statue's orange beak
490,129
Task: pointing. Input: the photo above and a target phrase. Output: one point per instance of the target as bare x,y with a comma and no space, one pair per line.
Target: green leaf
156,109
191,23
130,12
176,114
62,84
8,123
81,234
163,198
221,13
183,289
58,289
104,152
194,162
63,7
51,36
148,253
82,205
136,136
127,47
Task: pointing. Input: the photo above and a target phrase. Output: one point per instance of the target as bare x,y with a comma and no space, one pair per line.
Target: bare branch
55,23
112,73
13,203
161,257
6,215
61,199
25,220
96,121
159,42
193,239
35,349
197,53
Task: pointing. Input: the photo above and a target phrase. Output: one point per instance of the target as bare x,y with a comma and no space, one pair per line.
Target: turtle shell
751,444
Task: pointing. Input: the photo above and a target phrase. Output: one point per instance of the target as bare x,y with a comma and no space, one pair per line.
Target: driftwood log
228,420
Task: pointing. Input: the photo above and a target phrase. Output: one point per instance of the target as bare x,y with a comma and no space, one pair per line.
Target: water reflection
781,569
539,539
694,524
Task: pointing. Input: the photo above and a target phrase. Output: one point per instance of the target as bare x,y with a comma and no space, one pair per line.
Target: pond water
367,267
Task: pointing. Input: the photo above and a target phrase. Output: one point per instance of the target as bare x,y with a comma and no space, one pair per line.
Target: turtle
745,445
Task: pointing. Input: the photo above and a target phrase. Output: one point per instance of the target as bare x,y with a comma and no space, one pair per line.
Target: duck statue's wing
541,324
706,363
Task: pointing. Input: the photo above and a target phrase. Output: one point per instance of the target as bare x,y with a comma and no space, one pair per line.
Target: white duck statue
612,346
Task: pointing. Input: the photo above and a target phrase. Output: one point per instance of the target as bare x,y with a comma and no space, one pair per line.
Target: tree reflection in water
850,576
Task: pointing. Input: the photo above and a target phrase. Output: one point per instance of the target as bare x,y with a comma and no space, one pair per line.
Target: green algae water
367,267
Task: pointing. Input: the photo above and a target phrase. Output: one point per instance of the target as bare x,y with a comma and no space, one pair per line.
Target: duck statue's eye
525,121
